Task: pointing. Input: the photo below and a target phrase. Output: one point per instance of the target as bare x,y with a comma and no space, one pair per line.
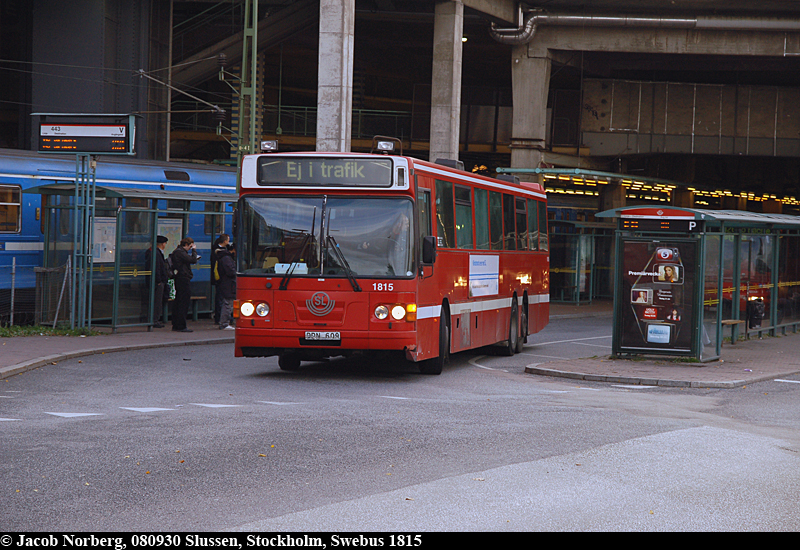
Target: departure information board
662,224
85,134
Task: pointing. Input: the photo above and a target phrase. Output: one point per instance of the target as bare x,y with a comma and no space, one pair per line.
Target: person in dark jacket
226,286
161,270
182,259
213,263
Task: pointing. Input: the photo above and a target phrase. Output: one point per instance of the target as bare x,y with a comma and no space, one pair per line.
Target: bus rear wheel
436,365
512,343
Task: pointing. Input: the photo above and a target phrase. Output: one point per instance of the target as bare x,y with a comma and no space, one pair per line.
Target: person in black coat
226,286
161,270
182,259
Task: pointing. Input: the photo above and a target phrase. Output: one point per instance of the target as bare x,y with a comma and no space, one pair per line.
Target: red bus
344,253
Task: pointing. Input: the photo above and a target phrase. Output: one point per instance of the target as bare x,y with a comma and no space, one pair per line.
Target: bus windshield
326,236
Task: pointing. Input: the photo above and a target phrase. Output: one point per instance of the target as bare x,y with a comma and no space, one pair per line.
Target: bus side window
522,225
482,240
463,196
424,213
509,222
543,226
445,218
496,219
533,224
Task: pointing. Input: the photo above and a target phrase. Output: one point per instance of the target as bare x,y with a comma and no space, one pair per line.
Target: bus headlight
247,309
381,312
262,310
398,312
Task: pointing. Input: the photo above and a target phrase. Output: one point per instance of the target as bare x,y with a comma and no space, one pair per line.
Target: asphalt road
192,439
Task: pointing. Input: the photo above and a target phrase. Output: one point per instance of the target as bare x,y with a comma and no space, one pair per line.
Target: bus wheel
523,326
510,346
289,361
435,365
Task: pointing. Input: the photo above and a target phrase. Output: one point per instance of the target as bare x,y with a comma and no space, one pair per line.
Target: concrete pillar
335,80
683,198
733,203
448,29
530,81
772,206
611,196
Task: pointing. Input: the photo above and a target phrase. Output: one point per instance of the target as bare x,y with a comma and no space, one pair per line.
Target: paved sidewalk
741,364
29,352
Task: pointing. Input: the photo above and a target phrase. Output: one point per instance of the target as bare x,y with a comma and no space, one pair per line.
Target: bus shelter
581,261
124,228
685,276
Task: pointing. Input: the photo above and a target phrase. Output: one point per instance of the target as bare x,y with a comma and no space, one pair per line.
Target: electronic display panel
325,172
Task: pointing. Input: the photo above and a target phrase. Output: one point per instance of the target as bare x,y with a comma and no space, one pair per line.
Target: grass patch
38,330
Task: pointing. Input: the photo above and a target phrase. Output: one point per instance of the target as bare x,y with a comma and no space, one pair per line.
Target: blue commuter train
23,224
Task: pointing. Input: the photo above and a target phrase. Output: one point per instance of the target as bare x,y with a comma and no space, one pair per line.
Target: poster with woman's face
657,311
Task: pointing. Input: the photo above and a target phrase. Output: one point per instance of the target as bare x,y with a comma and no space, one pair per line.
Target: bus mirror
429,250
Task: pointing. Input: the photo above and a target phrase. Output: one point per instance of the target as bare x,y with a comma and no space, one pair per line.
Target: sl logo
320,304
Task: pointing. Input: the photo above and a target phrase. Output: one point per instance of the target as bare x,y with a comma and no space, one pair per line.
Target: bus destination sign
325,171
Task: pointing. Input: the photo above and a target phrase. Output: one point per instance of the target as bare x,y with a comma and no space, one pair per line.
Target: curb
55,358
637,381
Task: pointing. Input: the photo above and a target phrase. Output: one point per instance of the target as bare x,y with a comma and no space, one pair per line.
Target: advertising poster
484,275
657,290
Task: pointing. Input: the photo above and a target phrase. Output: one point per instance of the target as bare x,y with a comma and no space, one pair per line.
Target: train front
326,257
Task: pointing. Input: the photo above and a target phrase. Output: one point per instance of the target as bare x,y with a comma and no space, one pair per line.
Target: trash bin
755,313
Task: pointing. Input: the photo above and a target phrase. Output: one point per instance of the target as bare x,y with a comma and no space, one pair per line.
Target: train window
137,223
10,208
176,175
213,224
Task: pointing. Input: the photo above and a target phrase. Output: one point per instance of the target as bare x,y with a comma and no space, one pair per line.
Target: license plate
323,336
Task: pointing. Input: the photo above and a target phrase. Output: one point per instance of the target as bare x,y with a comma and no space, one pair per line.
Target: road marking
633,386
278,403
393,397
213,405
569,341
9,419
145,409
73,415
789,381
545,356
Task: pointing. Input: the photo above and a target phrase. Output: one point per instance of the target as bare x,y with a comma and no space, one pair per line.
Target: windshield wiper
343,262
293,263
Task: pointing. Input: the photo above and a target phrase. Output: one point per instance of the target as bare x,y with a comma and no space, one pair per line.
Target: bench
732,323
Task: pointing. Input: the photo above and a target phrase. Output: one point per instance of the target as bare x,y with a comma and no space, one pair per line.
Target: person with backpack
182,259
225,270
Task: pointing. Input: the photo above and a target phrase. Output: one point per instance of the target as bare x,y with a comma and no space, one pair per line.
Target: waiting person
162,275
226,286
182,259
214,281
